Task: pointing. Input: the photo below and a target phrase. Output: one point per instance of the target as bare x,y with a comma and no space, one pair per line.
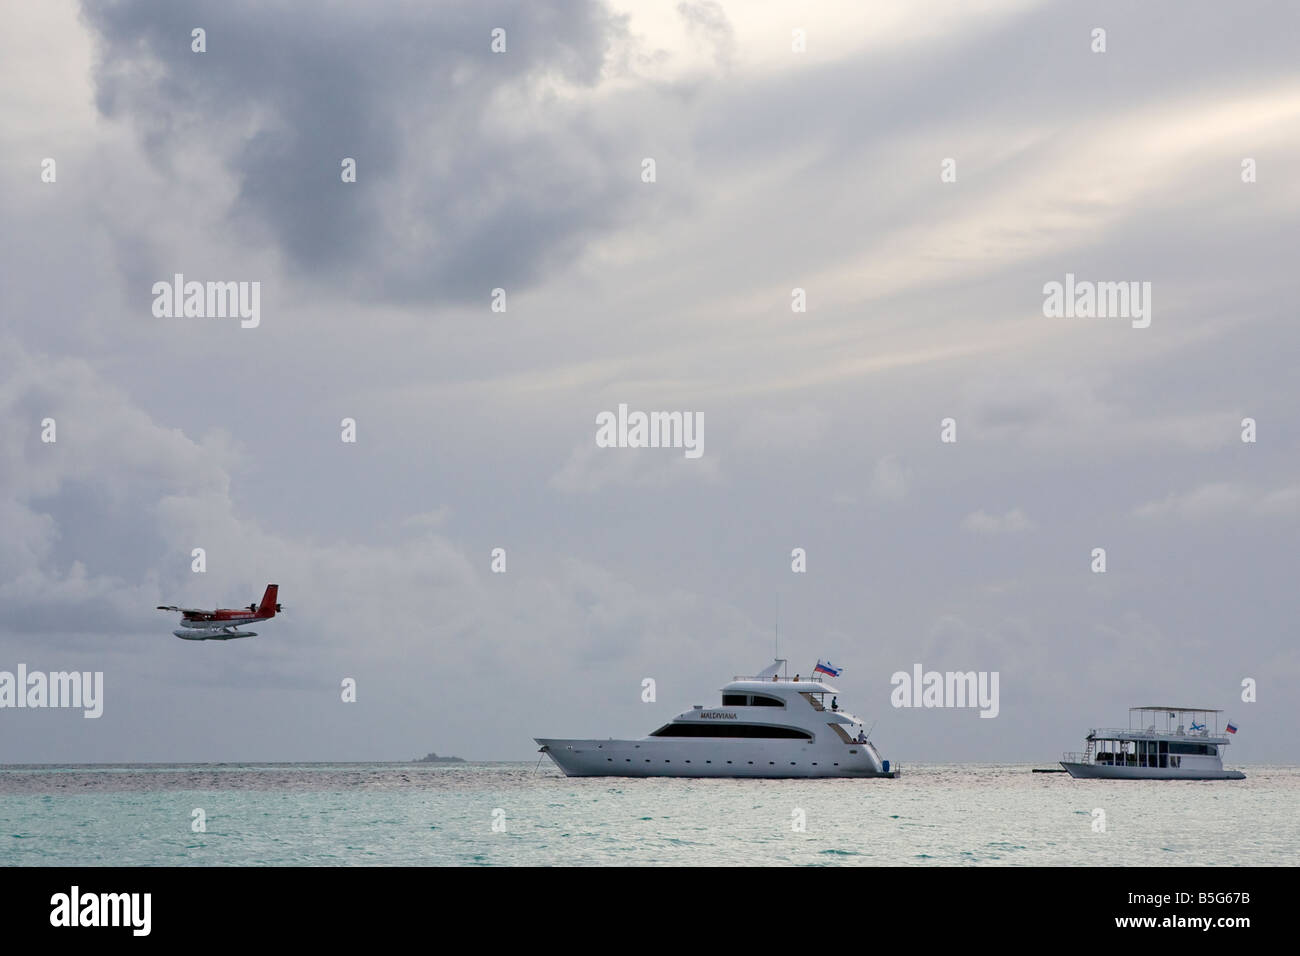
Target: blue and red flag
1231,728
827,668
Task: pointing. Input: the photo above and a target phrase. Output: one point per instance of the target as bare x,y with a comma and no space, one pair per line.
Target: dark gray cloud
461,187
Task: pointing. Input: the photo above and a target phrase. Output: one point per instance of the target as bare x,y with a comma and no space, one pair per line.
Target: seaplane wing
183,610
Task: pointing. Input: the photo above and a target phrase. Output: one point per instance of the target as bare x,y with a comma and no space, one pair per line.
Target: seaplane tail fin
268,606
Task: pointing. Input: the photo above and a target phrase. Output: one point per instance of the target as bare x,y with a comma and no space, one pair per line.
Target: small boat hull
1099,771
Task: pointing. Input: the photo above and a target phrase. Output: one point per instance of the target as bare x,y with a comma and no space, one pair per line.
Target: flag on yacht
1232,728
827,668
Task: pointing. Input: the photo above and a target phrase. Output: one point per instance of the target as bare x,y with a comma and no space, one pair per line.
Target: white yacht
1185,749
768,725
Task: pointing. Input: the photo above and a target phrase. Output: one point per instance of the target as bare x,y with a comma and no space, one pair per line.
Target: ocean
502,814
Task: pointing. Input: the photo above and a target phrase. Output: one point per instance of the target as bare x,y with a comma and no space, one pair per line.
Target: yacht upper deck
784,683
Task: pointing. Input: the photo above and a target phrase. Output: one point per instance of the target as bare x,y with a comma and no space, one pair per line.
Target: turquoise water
369,814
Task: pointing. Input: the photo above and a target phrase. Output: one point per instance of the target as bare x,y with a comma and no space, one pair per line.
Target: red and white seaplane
223,624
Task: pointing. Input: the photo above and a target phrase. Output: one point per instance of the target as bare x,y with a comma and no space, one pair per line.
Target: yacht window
751,700
711,729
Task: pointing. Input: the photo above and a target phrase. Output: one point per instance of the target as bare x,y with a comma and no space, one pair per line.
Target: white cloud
433,519
1224,499
981,522
889,479
590,468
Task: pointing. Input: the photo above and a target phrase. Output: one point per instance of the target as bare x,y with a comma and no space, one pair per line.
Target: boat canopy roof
1180,710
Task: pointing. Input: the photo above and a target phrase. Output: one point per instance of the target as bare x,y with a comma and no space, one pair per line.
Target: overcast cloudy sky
775,169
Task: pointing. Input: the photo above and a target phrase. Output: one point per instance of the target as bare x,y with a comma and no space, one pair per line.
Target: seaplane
224,624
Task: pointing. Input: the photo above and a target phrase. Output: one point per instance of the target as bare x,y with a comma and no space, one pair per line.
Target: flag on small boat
827,668
1231,728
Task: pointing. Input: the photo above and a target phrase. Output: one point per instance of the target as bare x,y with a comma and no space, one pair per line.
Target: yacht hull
1093,771
712,757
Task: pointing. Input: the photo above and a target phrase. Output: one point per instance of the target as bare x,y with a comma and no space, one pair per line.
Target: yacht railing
780,680
1076,756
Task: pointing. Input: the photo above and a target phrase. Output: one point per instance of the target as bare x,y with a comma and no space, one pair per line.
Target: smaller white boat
1183,749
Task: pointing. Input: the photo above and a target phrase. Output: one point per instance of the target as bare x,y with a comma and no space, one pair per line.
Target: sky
920,170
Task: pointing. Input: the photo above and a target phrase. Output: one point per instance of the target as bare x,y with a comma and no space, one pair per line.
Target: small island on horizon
434,758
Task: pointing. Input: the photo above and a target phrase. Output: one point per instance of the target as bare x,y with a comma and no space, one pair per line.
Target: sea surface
501,814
